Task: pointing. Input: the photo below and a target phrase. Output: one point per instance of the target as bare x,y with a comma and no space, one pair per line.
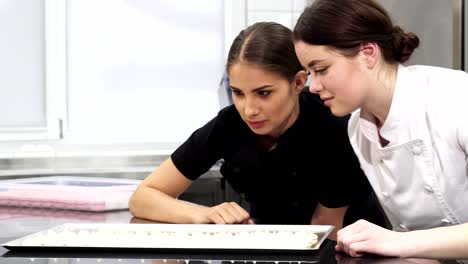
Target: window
105,72
23,94
142,71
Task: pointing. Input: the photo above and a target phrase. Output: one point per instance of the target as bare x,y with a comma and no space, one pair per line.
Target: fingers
338,249
216,218
356,249
228,213
353,248
353,238
358,226
244,215
375,240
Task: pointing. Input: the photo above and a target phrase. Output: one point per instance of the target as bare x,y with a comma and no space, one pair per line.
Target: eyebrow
312,63
256,89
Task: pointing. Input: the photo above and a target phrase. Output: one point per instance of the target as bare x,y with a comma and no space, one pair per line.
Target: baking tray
322,256
317,256
68,192
176,237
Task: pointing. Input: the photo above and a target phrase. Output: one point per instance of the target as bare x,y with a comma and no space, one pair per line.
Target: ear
300,81
370,53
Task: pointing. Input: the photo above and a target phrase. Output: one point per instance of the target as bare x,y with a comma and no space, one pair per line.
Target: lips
327,100
256,124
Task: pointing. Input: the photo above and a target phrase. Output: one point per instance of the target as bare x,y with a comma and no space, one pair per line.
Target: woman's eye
264,93
321,70
236,92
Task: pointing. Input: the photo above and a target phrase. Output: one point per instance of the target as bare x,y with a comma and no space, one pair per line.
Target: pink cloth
67,197
21,212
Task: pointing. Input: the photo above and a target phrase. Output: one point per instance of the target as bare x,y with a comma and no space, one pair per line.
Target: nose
315,85
251,108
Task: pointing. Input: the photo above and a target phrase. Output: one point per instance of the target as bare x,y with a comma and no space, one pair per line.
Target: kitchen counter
18,222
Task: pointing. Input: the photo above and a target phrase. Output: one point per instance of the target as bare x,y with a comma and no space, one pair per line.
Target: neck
380,99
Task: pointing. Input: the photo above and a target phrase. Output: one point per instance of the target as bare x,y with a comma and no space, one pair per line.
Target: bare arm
329,216
443,242
156,199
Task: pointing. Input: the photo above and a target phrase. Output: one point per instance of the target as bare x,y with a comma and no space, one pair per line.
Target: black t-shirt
312,162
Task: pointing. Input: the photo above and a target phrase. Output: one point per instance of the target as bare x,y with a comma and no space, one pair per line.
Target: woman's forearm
443,242
149,203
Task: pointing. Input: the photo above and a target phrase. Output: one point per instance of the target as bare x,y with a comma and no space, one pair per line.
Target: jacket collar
398,108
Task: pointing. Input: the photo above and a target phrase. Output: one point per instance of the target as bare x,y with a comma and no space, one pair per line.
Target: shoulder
444,89
438,90
207,144
312,102
229,129
228,113
442,94
440,80
434,71
229,121
218,129
313,108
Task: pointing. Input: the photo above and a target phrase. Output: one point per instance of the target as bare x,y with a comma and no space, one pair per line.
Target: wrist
408,244
199,215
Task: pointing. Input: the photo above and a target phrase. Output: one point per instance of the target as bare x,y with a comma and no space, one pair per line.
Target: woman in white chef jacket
409,127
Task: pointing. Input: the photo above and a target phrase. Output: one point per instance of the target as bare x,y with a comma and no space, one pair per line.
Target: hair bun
403,44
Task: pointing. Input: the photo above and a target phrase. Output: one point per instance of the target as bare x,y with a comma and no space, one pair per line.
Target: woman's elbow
135,204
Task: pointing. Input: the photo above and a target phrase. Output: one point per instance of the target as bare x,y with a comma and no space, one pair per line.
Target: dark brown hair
346,24
268,45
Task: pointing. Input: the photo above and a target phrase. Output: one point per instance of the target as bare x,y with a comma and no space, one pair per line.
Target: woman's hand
364,237
225,213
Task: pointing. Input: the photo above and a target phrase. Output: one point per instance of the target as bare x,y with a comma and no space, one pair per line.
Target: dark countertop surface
17,222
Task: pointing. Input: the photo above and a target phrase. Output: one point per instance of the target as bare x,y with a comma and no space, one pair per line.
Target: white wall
148,72
284,12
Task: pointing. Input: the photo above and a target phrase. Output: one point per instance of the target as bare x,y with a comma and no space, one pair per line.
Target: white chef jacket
421,176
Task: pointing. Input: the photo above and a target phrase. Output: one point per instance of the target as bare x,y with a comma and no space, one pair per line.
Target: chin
339,112
260,132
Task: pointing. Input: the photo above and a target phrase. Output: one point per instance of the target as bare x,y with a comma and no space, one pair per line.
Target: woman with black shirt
282,148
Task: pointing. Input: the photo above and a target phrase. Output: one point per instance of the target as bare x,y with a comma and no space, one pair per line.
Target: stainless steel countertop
16,222
79,165
128,167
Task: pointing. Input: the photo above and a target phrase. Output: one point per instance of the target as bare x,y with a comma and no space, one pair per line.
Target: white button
385,194
403,227
446,221
428,189
417,150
